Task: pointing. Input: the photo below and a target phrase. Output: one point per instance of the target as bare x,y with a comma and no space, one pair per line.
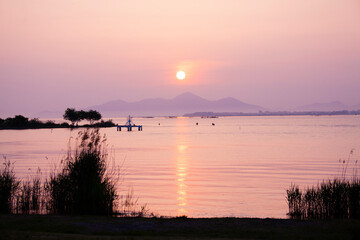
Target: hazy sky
275,53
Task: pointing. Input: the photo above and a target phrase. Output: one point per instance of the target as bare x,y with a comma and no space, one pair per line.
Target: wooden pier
129,125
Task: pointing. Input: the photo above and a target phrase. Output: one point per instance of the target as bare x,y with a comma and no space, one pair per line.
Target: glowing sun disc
180,75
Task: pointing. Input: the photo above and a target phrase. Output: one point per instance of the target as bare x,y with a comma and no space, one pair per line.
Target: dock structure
129,125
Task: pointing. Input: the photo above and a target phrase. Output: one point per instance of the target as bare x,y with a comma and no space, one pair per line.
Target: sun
180,75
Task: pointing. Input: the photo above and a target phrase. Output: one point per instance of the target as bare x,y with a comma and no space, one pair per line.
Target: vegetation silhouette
16,196
29,198
76,116
337,198
84,185
21,122
72,115
332,199
8,187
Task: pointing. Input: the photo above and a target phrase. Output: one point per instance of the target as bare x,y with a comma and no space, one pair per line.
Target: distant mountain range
179,105
190,103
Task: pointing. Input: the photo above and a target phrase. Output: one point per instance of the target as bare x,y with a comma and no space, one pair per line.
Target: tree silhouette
75,116
93,115
72,115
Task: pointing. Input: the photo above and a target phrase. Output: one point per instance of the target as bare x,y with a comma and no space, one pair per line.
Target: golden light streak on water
181,171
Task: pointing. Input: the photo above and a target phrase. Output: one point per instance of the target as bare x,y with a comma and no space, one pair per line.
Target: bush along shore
83,185
21,122
338,198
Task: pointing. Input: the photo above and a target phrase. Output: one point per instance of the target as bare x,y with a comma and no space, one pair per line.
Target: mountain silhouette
179,105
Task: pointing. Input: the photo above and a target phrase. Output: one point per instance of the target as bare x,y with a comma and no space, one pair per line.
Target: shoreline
20,122
268,113
98,227
58,127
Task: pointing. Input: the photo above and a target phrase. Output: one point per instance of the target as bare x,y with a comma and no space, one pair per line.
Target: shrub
84,185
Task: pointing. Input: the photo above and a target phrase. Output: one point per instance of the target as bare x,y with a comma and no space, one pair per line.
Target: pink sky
56,54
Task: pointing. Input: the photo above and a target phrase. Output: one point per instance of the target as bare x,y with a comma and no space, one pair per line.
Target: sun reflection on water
181,174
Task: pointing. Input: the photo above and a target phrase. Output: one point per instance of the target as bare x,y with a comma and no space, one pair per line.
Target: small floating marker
213,124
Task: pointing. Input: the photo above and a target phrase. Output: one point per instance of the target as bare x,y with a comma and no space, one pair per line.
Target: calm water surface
240,167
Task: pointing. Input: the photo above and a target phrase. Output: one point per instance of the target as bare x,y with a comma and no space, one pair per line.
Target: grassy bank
93,227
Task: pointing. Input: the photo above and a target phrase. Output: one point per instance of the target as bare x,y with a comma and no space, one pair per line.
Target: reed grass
84,185
129,207
336,198
9,186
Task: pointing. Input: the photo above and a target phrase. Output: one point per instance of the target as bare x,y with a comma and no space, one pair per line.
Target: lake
240,167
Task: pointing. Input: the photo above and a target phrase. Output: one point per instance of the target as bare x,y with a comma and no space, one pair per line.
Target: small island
94,118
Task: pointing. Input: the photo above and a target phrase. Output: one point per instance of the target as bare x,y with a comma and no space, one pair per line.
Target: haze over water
240,167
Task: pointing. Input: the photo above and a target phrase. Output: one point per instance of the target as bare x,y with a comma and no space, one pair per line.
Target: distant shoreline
266,113
20,122
60,126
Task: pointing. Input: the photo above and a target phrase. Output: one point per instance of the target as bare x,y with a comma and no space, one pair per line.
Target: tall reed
337,198
84,185
9,186
129,207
